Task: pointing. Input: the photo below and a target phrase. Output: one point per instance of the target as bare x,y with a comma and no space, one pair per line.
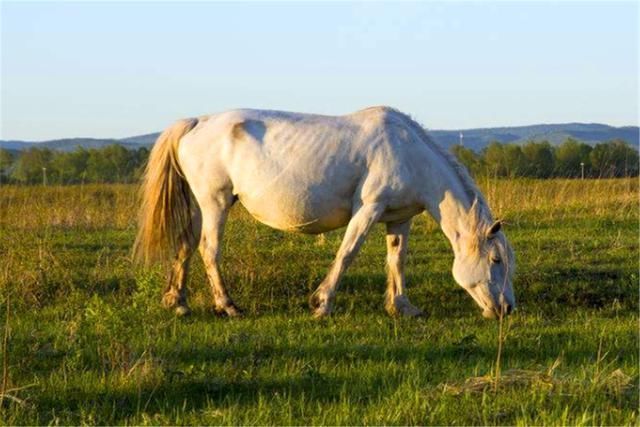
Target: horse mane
476,198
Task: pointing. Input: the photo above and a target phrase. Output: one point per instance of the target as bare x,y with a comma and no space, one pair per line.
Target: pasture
87,342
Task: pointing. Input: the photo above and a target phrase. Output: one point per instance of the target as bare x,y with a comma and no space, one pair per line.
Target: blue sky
119,69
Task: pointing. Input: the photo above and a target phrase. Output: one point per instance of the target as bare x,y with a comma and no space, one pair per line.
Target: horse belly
296,176
296,211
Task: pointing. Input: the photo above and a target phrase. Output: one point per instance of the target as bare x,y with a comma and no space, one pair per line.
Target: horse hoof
182,311
314,302
320,314
322,311
170,300
414,313
405,312
233,311
230,310
401,307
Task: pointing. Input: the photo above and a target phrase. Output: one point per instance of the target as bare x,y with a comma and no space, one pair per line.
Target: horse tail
166,205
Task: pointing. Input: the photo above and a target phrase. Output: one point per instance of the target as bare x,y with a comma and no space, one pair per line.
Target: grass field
88,342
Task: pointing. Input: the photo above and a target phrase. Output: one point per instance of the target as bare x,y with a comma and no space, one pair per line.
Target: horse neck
449,200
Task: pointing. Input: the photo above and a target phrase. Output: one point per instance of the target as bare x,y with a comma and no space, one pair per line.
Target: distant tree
614,159
110,164
493,159
6,160
30,166
515,162
69,167
141,156
601,161
467,157
539,159
569,155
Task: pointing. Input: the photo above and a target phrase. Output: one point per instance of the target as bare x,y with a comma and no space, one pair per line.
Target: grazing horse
312,174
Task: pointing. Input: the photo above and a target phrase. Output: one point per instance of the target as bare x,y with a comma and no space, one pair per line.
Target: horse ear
474,214
494,229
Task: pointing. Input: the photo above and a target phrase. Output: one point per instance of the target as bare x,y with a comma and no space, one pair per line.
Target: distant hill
476,139
146,140
70,144
556,134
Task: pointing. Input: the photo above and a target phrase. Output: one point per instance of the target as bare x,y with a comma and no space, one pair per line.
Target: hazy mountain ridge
476,139
589,133
70,144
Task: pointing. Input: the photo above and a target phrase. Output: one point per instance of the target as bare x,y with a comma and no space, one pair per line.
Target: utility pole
582,170
44,176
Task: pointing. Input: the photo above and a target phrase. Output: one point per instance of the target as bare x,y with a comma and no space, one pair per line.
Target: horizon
452,66
118,138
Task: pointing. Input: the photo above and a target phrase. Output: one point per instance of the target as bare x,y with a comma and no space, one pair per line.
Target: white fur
312,174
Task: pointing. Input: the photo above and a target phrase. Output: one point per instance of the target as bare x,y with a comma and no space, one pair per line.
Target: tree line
109,164
114,163
542,160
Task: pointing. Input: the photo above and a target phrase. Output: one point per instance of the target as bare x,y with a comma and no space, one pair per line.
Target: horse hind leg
175,293
396,301
215,213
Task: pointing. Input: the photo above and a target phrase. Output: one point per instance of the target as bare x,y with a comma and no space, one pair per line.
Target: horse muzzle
502,309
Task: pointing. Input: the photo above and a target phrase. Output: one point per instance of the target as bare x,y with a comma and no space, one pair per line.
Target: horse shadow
244,386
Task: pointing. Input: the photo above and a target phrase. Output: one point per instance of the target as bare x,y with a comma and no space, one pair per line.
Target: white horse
312,174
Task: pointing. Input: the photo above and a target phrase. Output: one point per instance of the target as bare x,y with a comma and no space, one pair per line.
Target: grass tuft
86,341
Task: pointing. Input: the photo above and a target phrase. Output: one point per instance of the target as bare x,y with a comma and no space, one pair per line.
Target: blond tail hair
166,205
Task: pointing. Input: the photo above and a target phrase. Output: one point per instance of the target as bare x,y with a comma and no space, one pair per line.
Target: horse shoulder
394,160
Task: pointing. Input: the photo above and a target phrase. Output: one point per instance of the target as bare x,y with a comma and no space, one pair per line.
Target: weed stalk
5,352
501,334
496,382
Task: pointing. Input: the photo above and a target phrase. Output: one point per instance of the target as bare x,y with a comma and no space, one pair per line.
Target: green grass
91,345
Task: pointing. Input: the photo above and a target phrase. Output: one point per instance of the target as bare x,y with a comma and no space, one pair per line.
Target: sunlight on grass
87,341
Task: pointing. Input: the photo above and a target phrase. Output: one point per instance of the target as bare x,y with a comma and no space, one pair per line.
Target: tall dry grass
65,267
558,199
116,205
91,206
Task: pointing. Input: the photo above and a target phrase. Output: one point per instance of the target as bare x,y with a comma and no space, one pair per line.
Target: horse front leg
396,301
321,300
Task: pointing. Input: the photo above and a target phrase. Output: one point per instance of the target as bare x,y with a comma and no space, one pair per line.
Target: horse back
298,171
